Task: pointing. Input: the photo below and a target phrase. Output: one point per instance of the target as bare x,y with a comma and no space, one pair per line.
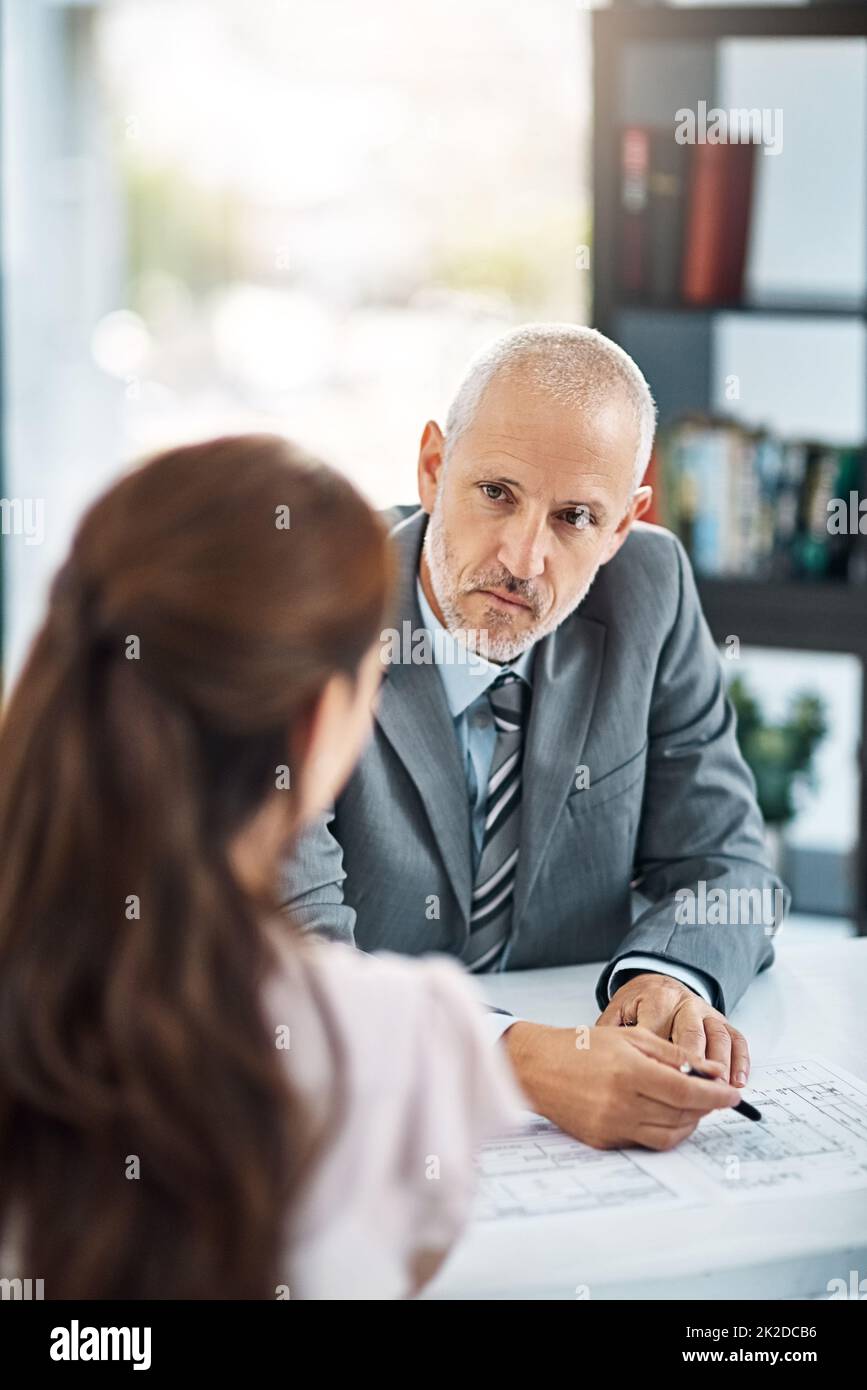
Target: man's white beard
496,640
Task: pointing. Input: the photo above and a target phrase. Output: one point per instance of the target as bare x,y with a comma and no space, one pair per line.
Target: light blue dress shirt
466,684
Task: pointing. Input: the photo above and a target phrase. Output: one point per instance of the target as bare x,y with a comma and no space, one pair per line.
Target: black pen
743,1107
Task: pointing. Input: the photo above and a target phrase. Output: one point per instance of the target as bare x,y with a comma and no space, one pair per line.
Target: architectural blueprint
812,1137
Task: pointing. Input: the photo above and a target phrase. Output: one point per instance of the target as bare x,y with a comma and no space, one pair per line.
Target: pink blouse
423,1086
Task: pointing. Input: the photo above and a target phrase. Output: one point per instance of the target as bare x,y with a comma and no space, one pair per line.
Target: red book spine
718,222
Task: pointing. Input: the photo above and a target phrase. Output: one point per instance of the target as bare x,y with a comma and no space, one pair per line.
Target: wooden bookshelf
799,616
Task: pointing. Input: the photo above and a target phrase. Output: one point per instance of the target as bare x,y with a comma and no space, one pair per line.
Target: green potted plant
780,755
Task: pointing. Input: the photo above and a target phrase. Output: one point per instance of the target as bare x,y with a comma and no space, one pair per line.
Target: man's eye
488,488
579,518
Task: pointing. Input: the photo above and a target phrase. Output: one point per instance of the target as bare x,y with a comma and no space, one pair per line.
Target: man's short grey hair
574,366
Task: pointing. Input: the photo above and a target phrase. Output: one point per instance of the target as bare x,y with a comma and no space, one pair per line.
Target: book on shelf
635,165
685,217
749,504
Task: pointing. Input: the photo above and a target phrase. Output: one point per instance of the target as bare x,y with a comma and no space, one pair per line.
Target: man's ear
641,500
430,462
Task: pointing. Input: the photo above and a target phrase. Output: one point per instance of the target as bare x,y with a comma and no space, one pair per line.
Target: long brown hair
208,597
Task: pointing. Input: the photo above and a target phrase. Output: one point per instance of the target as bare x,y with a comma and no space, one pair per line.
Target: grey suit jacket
630,686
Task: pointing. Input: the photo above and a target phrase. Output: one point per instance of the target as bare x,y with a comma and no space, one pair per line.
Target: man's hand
613,1087
671,1010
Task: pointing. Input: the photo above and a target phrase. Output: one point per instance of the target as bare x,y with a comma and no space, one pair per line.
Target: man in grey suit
554,776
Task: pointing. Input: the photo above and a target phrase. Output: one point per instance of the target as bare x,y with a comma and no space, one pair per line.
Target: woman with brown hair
196,1100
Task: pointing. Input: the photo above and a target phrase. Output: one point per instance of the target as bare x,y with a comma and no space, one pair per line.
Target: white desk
813,1000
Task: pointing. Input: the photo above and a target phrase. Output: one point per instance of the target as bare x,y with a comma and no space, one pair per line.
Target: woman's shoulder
401,983
362,980
398,1017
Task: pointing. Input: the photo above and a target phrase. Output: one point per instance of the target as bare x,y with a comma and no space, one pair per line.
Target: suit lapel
414,716
566,677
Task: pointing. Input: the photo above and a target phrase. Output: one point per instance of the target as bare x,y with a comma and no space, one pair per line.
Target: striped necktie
491,912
